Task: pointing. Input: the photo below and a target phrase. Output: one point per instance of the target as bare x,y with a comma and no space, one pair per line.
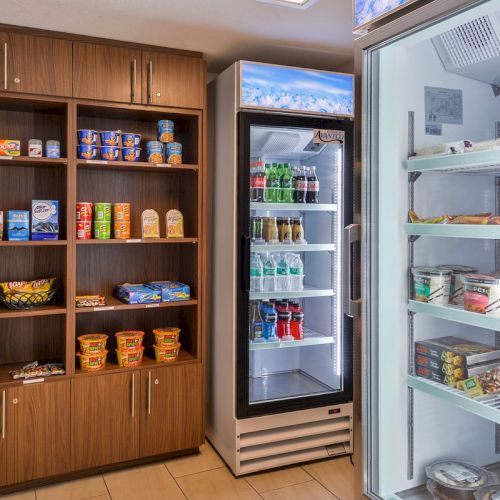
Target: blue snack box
171,291
18,225
137,294
44,220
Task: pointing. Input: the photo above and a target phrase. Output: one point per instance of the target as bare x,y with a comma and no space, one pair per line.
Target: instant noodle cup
84,230
130,140
154,151
110,138
482,294
166,336
92,343
87,152
131,154
121,212
174,153
456,285
130,358
121,230
166,354
166,131
432,285
86,136
129,340
93,362
110,153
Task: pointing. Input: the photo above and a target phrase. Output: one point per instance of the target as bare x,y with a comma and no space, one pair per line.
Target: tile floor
205,477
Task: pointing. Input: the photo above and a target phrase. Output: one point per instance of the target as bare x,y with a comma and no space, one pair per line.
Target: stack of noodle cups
93,352
167,345
129,348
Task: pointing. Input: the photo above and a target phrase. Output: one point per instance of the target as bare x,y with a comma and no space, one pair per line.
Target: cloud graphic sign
265,86
366,11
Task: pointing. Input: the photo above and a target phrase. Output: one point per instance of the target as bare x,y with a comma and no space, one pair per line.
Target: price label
98,162
33,381
104,308
163,165
150,306
137,240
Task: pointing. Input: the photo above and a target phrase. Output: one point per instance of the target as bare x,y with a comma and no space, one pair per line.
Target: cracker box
8,147
44,220
171,291
137,294
18,225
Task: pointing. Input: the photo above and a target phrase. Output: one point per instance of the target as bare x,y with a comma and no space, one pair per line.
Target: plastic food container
166,336
92,362
53,149
110,153
130,140
131,154
129,340
174,153
121,212
35,148
110,138
482,294
130,358
87,152
92,343
456,285
166,131
432,285
490,492
154,151
87,136
167,354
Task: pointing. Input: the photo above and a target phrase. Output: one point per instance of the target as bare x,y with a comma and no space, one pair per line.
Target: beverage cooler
430,254
281,343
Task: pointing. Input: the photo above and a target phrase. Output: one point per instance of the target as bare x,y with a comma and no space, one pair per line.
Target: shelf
27,313
485,162
308,247
6,379
26,161
310,338
487,406
307,292
137,166
297,207
137,241
456,314
46,243
113,304
454,230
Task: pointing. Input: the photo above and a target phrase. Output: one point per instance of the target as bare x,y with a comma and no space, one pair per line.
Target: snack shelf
46,243
26,313
307,247
6,379
137,241
488,232
310,338
27,161
307,292
456,314
137,166
297,207
487,406
113,304
485,162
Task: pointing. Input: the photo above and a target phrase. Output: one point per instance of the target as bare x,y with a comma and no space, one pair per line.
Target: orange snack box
8,147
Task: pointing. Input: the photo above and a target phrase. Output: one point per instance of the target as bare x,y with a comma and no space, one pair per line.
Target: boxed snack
458,372
44,220
18,225
90,300
137,294
171,290
457,351
437,376
8,147
487,382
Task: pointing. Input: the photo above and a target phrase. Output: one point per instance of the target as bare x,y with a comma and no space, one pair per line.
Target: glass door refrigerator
280,388
430,237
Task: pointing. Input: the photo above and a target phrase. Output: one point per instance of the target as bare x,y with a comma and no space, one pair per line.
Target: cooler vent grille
471,42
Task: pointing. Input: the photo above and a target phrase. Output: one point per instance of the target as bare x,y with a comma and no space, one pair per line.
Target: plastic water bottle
296,272
269,273
283,273
256,273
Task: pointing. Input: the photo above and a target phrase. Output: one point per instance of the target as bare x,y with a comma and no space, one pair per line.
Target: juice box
8,147
18,225
44,220
171,291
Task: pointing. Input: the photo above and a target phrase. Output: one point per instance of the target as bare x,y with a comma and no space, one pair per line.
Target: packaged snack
166,131
8,147
154,151
171,291
90,301
482,294
41,285
121,212
27,294
481,219
166,336
53,149
130,140
456,285
432,285
175,224
86,136
44,220
458,372
18,225
84,230
137,294
150,222
415,219
174,153
35,148
110,138
84,211
121,230
102,230
93,362
166,354
102,212
130,358
129,340
35,370
437,376
92,343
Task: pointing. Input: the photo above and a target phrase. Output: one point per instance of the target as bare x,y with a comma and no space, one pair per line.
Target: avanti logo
323,136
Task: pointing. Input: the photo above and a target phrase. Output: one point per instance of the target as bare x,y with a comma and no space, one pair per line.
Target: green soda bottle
286,191
275,185
268,182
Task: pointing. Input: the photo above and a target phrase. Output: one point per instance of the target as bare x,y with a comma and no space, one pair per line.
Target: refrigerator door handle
245,263
352,306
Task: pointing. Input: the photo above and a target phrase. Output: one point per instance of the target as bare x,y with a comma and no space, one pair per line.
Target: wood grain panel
174,421
104,430
43,430
8,448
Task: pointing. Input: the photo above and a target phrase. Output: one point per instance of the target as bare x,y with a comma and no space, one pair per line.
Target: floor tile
273,480
74,490
23,495
311,490
217,484
336,474
151,482
207,459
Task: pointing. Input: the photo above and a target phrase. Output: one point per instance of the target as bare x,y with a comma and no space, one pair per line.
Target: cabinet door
173,80
35,64
106,73
105,420
43,430
8,450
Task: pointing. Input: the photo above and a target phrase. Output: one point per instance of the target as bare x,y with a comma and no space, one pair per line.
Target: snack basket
27,300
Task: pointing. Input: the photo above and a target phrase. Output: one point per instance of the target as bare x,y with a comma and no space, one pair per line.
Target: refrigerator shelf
307,292
485,162
310,338
308,247
487,406
455,313
487,232
297,207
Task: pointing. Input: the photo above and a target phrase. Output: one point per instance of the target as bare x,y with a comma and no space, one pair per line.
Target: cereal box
171,291
18,225
44,220
8,147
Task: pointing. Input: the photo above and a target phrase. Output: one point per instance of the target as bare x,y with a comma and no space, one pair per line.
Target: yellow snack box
9,147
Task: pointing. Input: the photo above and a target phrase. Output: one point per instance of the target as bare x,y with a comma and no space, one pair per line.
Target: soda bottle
300,192
259,184
312,186
275,185
286,191
267,178
256,273
269,273
252,183
257,230
255,332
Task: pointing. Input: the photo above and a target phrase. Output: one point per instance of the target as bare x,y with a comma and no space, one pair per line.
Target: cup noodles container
174,153
129,340
130,358
456,284
110,153
8,147
84,211
131,154
110,138
166,336
84,230
121,230
168,353
87,152
44,220
102,212
35,148
154,151
87,136
482,294
121,212
102,230
166,131
431,285
92,343
130,140
93,362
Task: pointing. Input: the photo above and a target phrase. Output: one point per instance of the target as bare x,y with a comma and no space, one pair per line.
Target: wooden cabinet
35,64
171,409
8,449
106,73
173,80
105,419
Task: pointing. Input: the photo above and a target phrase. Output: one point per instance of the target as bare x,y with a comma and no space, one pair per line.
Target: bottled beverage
256,273
285,230
269,321
284,320
273,185
312,186
298,230
282,273
255,323
297,322
286,189
269,273
257,181
296,272
300,191
267,178
257,230
270,230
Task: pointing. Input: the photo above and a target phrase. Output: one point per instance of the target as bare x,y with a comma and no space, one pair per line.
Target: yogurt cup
431,285
456,285
482,294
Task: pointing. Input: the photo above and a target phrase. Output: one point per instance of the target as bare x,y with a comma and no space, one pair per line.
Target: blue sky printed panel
366,11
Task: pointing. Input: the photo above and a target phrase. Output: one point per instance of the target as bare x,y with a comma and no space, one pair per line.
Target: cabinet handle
134,80
5,75
133,395
3,414
149,393
150,82
352,306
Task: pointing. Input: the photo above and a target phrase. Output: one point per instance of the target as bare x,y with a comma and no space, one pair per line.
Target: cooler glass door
294,342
